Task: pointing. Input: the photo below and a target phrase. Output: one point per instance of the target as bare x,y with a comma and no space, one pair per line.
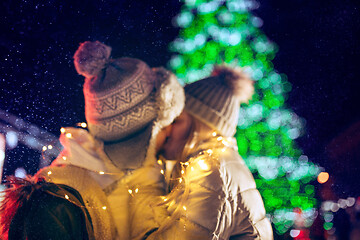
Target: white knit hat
216,100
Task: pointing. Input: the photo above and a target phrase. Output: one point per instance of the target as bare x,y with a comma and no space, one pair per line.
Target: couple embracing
156,163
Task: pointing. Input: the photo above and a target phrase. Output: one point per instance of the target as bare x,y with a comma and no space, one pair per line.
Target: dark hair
39,210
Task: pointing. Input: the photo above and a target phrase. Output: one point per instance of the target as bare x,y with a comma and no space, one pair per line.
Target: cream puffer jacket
216,197
120,203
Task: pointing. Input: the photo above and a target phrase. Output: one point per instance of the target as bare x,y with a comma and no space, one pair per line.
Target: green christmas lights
225,31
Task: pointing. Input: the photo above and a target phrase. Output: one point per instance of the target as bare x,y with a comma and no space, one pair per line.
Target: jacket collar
82,150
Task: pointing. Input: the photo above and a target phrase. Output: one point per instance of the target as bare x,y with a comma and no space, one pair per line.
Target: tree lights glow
323,177
225,31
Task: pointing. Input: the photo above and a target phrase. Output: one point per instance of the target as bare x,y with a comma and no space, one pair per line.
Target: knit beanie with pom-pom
123,95
216,100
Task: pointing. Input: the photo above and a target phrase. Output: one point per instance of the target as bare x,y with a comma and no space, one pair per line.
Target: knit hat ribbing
216,100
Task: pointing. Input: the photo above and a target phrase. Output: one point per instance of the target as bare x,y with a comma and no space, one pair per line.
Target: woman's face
177,137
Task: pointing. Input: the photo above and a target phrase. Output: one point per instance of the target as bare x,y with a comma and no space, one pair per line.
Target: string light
184,207
62,130
104,207
136,190
49,173
83,124
182,171
130,191
159,162
101,173
68,135
214,134
44,148
192,145
162,171
219,138
203,165
50,147
66,196
64,158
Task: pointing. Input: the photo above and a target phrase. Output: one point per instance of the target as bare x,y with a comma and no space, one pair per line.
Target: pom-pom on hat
124,95
91,58
216,100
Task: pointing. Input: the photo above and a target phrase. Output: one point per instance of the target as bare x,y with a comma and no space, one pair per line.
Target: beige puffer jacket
216,198
120,203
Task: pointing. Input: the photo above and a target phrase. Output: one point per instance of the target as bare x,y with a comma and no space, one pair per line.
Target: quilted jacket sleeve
217,199
248,213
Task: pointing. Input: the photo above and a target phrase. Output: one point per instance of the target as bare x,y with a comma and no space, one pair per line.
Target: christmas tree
226,31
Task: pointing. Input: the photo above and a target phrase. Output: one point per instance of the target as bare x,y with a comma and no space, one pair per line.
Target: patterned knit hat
216,100
123,96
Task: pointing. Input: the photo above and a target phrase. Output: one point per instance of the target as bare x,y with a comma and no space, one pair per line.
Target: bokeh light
323,177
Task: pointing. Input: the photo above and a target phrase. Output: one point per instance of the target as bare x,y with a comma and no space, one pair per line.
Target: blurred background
316,50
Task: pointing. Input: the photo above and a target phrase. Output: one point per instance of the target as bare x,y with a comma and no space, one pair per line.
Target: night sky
318,50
